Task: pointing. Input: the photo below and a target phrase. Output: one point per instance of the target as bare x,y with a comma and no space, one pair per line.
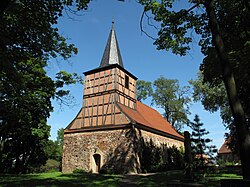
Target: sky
89,32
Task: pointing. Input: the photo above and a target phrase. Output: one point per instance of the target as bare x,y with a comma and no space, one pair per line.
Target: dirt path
136,180
131,180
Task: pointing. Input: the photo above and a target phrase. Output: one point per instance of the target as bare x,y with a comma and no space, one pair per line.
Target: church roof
224,149
143,117
150,118
111,53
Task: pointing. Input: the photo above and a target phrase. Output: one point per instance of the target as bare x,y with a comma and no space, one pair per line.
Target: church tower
108,131
104,86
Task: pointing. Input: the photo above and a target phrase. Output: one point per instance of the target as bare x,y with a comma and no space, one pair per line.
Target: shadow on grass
58,179
175,178
214,179
155,179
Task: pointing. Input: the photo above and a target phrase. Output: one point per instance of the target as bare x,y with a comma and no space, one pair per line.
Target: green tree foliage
173,99
237,42
210,19
202,152
143,90
59,139
54,148
53,151
28,39
160,158
213,98
25,105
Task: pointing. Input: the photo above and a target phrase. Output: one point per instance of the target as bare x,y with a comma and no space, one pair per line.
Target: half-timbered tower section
107,131
103,87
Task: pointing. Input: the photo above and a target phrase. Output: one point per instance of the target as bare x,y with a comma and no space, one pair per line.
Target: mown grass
214,179
177,177
161,179
56,179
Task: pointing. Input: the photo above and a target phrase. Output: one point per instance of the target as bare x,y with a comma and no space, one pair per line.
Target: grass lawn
162,179
214,179
56,179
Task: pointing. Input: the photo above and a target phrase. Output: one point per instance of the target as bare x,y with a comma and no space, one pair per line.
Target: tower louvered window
126,82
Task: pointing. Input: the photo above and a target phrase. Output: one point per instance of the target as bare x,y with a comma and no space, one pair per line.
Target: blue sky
89,32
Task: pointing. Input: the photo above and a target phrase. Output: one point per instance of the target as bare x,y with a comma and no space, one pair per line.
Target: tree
60,137
143,90
237,42
54,148
202,152
59,141
173,34
28,39
173,99
25,104
188,159
213,98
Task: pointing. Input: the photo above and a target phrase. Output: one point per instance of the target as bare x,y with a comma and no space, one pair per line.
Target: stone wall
119,149
160,140
114,146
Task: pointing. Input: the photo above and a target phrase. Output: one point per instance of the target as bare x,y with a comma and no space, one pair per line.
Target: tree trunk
228,78
188,157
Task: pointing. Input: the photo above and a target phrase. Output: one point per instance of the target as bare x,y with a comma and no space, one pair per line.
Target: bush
160,158
51,165
79,171
110,171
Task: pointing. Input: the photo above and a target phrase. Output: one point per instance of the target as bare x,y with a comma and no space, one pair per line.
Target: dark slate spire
112,53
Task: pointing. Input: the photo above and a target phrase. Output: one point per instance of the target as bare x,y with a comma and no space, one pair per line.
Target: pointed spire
112,53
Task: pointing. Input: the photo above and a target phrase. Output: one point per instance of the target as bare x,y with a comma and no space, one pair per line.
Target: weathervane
113,22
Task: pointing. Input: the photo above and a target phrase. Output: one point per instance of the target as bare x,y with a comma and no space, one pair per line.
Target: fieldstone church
107,131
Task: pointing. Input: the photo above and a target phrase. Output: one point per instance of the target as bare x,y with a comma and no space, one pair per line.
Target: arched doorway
97,163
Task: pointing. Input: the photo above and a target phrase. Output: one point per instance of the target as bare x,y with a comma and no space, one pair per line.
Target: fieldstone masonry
119,149
161,140
79,148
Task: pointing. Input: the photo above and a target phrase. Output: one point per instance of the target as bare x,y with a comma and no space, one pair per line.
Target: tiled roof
147,116
224,148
